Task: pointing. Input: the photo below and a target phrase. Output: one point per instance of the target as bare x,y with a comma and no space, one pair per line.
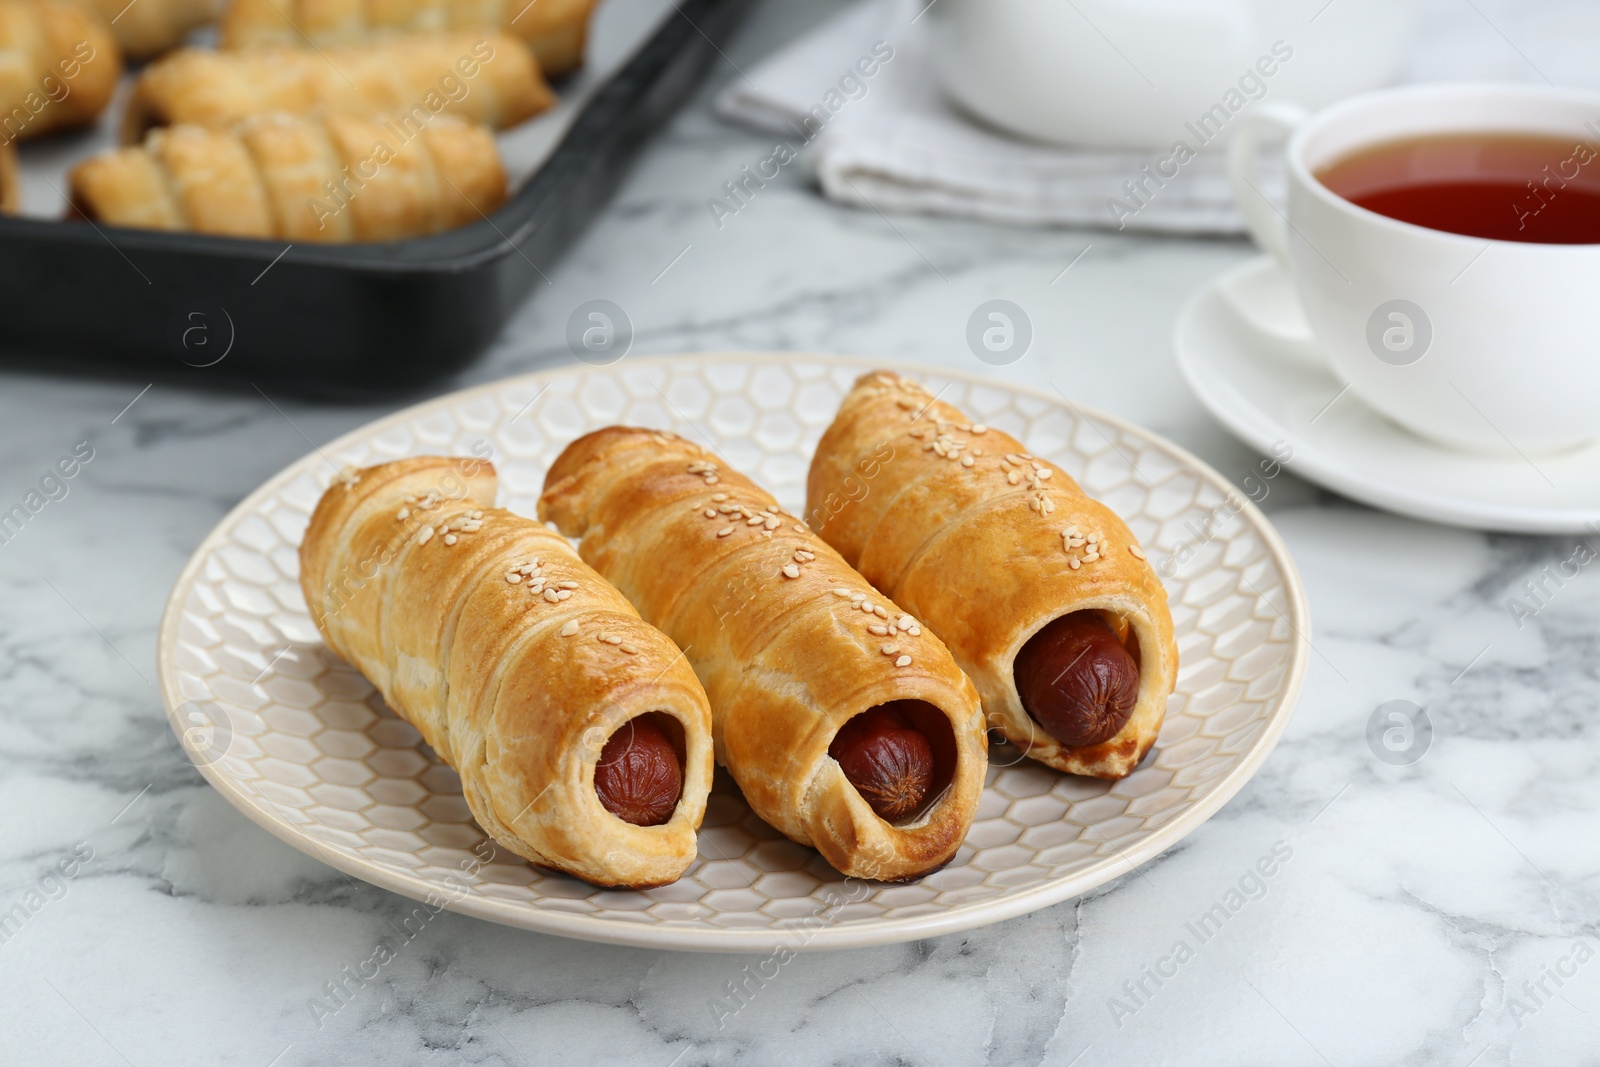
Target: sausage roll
555,30
58,67
1042,594
10,183
846,724
329,178
483,77
150,27
582,739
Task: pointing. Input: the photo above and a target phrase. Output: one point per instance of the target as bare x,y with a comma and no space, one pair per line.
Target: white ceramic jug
1131,73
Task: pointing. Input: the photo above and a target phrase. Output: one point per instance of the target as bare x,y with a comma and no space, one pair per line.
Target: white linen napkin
898,145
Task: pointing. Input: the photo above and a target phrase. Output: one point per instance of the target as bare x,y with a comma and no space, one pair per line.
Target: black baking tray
337,320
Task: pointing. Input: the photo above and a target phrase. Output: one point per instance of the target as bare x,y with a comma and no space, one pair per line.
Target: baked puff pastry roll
1041,593
58,67
325,178
10,182
150,27
582,739
555,30
845,723
483,77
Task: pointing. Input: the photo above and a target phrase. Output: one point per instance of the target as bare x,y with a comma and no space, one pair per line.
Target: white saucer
1247,352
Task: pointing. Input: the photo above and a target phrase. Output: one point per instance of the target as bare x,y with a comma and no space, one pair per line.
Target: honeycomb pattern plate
304,746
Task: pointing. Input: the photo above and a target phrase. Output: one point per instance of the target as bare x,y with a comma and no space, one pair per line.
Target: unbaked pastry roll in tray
319,178
485,77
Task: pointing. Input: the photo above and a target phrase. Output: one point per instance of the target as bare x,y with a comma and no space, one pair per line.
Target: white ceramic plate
300,743
1245,347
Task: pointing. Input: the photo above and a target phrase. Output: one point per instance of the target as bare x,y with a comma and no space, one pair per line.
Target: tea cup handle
1265,220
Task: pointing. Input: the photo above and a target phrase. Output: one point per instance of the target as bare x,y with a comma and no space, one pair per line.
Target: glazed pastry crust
554,30
985,553
10,183
58,67
150,27
270,177
785,661
413,78
515,691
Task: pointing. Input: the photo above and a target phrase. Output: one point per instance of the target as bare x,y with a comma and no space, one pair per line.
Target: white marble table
1440,913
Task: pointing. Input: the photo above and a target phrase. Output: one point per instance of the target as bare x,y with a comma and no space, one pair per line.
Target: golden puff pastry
1042,593
149,27
483,77
518,664
10,185
555,30
58,67
846,724
327,178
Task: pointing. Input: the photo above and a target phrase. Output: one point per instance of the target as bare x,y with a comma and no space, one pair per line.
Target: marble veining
1441,912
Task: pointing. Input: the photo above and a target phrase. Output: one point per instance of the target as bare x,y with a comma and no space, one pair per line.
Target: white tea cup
1484,345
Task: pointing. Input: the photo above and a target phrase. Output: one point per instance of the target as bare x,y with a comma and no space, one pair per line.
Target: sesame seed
1043,473
880,612
890,650
566,585
881,631
858,597
711,513
564,594
629,649
1013,478
1073,563
979,428
1134,551
773,522
712,479
719,497
552,596
800,529
903,661
914,631
1090,557
755,521
570,628
612,639
841,592
791,571
805,556
403,514
1093,538
772,509
867,605
725,531
967,461
425,536
1012,457
513,577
